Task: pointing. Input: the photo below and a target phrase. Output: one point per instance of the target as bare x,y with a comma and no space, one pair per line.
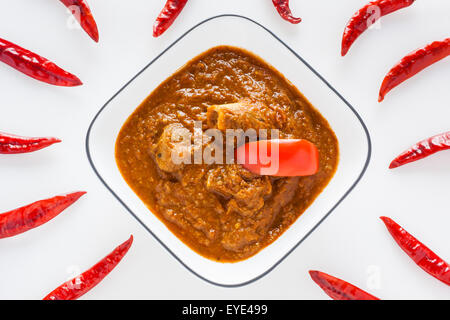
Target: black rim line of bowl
369,154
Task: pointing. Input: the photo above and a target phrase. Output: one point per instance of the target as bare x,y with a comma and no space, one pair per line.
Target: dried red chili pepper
33,215
35,66
284,10
423,149
83,14
413,63
367,16
78,286
339,289
167,16
421,255
12,144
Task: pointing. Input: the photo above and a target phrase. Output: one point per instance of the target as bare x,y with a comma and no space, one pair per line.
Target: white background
352,243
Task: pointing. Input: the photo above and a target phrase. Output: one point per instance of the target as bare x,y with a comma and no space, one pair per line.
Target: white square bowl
354,141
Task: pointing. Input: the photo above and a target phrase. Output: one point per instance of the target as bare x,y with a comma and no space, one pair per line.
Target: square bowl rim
366,164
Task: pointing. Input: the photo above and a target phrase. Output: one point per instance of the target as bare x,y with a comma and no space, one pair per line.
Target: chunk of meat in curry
222,211
244,115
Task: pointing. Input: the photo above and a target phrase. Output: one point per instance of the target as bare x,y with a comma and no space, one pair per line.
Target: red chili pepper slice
81,11
418,252
339,289
35,66
423,149
367,16
285,12
413,63
12,144
33,215
78,286
279,157
167,16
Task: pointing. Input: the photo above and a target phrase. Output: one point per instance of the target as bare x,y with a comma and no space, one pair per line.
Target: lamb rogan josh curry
222,211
